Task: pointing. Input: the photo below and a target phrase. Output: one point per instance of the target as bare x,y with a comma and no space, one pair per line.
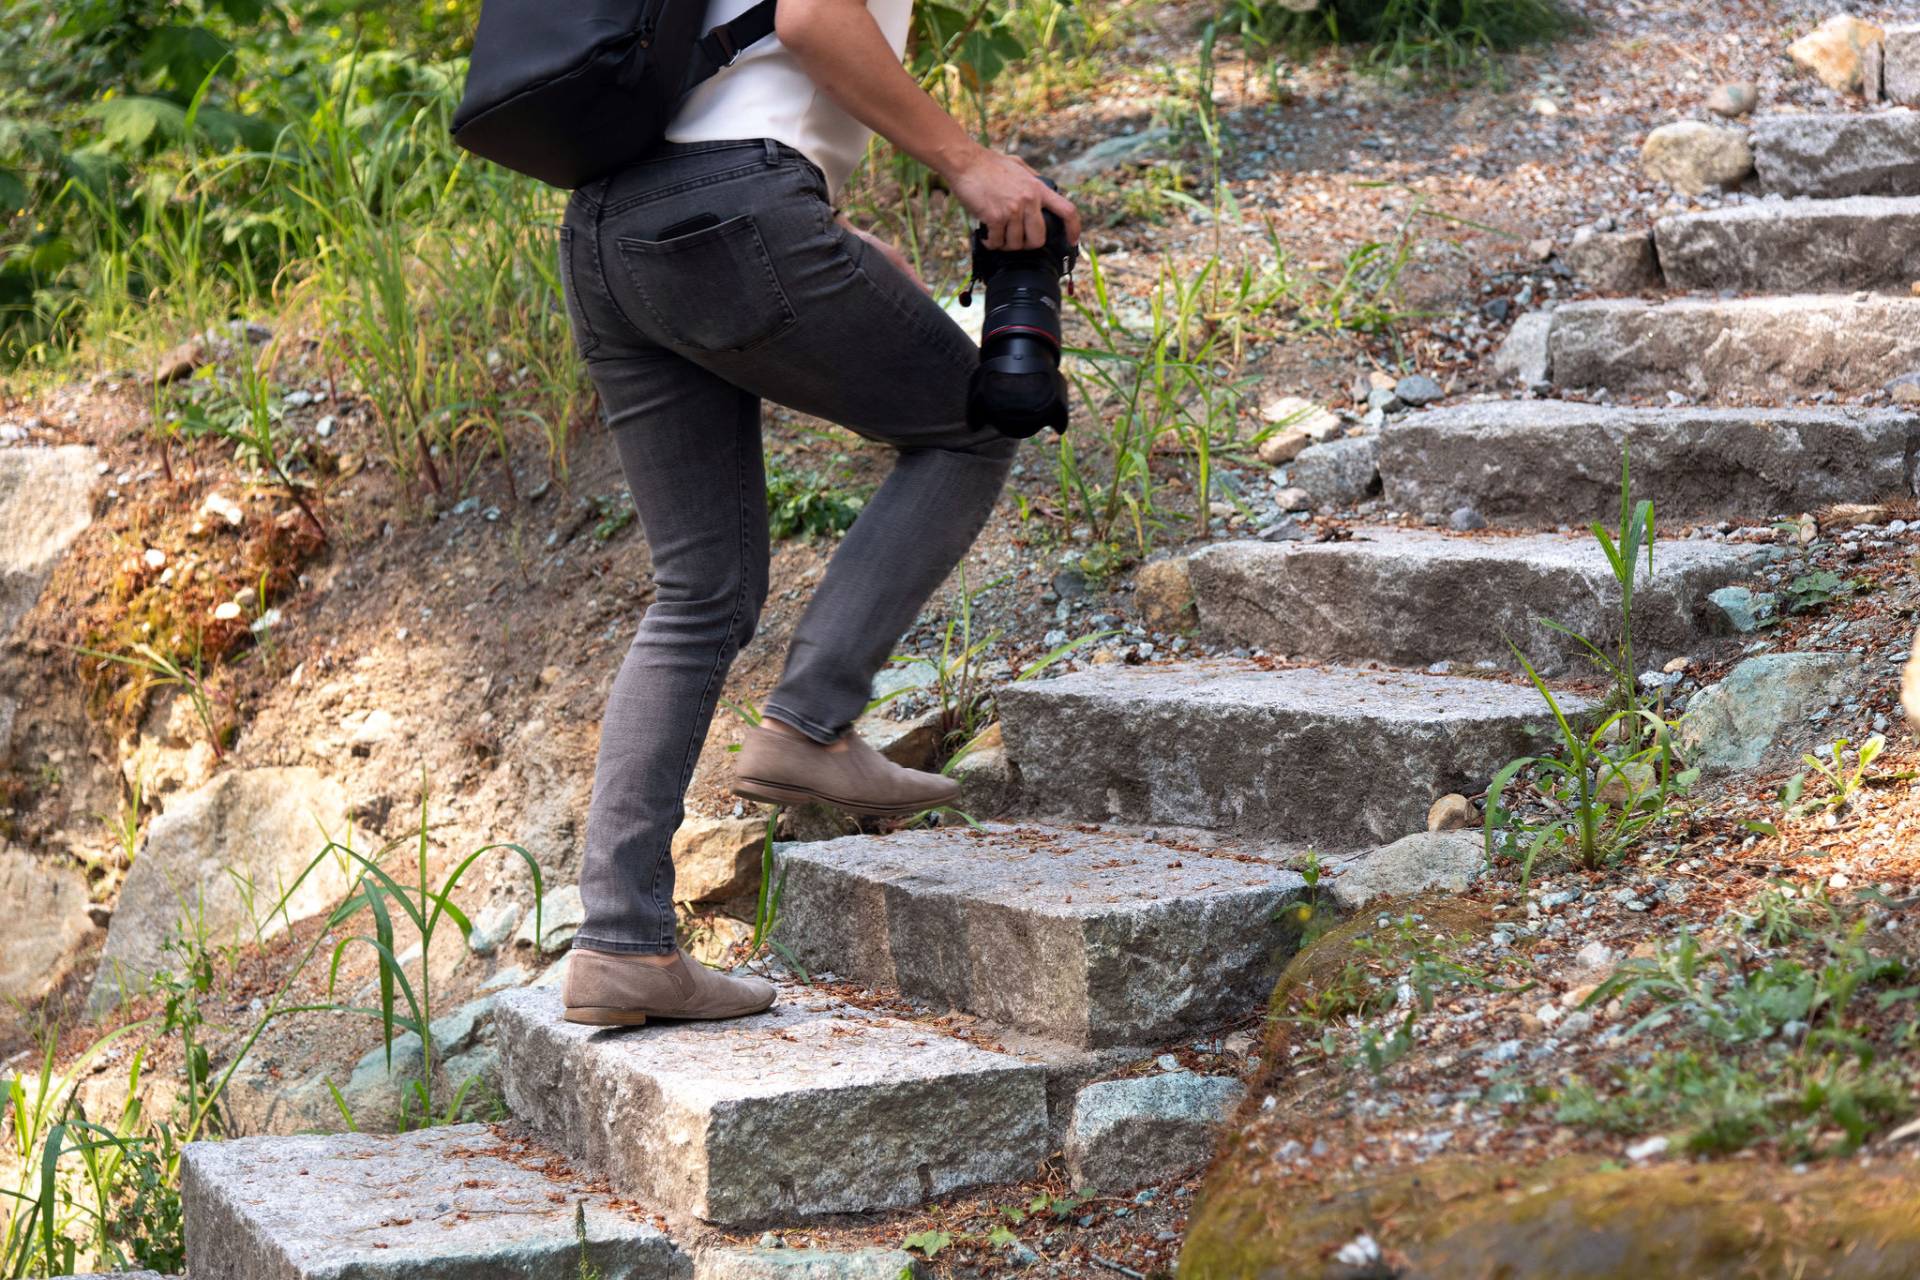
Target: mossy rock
1323,961
1572,1219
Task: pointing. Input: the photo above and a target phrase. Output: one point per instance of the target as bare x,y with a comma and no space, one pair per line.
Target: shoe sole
591,1016
776,793
598,1017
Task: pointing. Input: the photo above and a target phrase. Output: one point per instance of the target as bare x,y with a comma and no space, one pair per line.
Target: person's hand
887,250
1008,198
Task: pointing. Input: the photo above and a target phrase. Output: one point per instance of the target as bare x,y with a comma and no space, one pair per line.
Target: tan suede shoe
607,989
782,769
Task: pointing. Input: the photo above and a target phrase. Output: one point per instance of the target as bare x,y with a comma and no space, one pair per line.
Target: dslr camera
1018,387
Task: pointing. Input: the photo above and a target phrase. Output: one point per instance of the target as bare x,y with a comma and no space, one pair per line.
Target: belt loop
773,152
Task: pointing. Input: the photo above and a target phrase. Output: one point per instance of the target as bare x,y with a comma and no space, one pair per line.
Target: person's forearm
844,52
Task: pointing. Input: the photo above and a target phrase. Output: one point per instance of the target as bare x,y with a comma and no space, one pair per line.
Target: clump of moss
1572,1219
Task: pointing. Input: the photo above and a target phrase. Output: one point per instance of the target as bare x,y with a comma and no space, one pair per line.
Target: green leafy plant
1785,1050
766,906
247,417
928,1243
1844,781
1603,795
1823,586
1606,785
404,1004
802,504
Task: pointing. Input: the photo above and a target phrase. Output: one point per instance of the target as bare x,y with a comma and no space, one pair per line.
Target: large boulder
47,923
1734,724
1695,157
250,831
717,859
46,501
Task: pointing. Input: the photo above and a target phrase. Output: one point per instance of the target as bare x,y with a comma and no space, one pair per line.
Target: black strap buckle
718,45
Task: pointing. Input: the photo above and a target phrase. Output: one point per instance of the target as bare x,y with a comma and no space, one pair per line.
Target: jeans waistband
735,150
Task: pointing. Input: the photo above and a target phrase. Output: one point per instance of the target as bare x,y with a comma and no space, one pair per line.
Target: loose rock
1614,261
1696,157
1447,860
1163,594
1340,472
1128,1132
1418,390
1733,724
1734,99
1836,50
1452,812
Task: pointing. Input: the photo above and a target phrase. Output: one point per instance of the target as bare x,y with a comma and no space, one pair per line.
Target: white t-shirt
765,94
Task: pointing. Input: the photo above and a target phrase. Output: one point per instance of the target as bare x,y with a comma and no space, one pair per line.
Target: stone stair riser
1413,599
1340,760
1802,246
783,1117
1750,349
1545,463
1841,154
454,1203
1089,939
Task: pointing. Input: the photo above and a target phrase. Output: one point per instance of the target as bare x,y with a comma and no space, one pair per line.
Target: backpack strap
719,47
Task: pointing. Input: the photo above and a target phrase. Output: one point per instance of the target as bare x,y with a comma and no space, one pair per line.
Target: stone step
1412,597
456,1203
1795,246
814,1107
1341,759
1738,350
1835,154
1550,462
1092,937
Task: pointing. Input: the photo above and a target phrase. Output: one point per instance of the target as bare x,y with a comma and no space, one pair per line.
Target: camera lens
1018,388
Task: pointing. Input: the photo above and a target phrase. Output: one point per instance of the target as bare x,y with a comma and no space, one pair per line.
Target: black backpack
567,91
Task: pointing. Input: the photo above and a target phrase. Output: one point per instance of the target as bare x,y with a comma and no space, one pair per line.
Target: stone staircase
1075,947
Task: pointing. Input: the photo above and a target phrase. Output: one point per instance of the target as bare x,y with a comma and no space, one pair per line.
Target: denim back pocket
710,290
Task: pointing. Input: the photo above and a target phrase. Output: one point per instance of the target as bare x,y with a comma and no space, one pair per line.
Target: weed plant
106,1195
427,907
1607,784
1796,1049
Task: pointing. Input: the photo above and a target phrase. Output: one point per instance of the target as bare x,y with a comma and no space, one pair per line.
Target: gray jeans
700,281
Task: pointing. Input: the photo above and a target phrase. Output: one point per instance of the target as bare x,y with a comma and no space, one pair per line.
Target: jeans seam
962,360
586,338
606,286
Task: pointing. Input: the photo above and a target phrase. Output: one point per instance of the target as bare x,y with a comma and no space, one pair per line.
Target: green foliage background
124,119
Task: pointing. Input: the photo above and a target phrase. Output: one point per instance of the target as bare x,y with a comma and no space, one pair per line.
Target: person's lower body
699,282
